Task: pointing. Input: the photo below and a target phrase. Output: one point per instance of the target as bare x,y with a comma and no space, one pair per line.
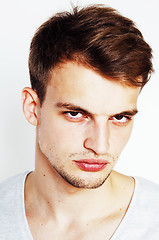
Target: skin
83,116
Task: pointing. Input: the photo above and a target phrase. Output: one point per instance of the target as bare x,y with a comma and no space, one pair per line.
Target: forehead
73,83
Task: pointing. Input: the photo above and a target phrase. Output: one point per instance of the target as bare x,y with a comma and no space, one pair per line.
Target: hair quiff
97,37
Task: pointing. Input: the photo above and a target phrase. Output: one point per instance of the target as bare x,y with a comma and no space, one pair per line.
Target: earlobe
31,104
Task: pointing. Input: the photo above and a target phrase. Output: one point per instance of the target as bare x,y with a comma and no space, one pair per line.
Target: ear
31,105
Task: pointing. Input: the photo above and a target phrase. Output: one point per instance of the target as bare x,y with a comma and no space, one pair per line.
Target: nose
97,139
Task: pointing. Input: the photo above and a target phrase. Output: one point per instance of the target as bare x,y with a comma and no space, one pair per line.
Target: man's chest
101,230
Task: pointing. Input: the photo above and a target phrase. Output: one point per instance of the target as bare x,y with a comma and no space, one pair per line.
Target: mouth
91,165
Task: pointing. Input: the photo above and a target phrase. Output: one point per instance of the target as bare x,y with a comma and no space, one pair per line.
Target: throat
94,212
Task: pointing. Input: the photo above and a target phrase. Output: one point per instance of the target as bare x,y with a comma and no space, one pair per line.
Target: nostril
98,146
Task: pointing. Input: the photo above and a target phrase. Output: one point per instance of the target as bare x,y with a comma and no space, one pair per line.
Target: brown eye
74,114
120,120
119,117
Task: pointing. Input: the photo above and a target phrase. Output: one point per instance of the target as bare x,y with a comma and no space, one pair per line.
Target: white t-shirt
141,221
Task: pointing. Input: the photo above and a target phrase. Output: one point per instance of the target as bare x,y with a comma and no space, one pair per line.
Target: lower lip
91,167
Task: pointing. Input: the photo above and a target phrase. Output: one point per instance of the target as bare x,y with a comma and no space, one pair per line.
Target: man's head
87,69
96,37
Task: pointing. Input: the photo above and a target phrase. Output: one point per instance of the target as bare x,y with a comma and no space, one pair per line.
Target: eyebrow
74,107
132,113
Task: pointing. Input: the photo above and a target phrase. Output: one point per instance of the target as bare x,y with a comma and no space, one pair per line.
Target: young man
87,69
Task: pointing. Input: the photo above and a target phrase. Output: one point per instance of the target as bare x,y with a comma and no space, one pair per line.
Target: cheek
50,144
120,137
60,138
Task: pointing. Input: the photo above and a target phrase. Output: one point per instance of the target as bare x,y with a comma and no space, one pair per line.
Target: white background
18,21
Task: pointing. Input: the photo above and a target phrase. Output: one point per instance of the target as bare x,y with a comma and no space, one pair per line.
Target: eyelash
119,121
74,118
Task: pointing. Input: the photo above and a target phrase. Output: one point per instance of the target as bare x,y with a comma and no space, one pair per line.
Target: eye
74,116
120,120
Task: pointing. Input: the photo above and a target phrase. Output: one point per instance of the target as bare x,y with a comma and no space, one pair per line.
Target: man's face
84,123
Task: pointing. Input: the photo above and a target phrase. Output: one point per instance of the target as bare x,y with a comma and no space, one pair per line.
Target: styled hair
97,37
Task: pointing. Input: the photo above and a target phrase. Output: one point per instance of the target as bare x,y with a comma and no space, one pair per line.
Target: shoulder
11,191
10,186
141,220
12,180
12,206
147,190
145,202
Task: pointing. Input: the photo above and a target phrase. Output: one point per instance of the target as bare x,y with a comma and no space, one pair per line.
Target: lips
91,165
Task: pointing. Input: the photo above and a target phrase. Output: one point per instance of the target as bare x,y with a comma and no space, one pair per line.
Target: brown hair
97,37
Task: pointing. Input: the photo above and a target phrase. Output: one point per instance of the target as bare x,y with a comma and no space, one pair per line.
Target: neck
51,191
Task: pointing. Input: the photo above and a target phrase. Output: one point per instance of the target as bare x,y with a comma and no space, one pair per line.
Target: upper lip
92,161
